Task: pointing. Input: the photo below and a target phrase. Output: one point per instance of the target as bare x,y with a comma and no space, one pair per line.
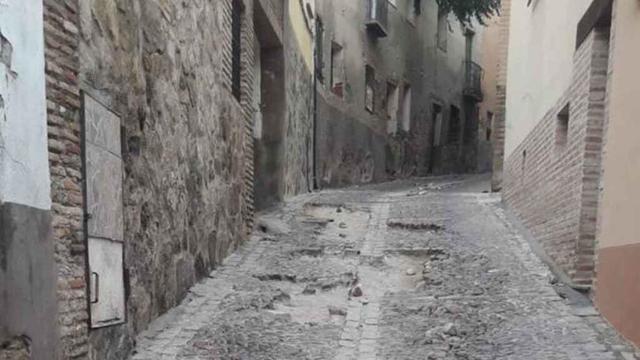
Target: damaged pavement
425,269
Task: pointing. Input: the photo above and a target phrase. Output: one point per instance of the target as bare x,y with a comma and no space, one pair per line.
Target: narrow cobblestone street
421,269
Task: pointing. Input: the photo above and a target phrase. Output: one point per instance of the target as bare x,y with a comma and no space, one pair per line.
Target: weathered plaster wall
618,289
407,56
28,324
27,282
350,152
298,126
24,170
543,25
158,64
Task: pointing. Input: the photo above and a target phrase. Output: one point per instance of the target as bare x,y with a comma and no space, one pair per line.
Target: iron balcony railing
473,80
377,14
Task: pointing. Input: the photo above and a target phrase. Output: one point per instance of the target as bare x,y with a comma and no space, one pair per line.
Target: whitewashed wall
24,168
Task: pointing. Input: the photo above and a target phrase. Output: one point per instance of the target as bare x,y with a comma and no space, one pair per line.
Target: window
236,46
417,7
454,125
489,125
524,164
437,125
443,30
468,53
337,70
406,108
319,50
369,89
391,106
470,133
562,127
414,11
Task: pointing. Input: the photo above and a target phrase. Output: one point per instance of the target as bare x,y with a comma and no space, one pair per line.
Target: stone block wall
187,151
553,188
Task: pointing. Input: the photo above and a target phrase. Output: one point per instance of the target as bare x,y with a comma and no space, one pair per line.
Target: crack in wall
6,51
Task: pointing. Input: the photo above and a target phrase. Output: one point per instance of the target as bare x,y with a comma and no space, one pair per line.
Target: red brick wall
555,190
63,120
498,131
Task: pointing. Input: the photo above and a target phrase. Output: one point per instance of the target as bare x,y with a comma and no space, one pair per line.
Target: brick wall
554,188
498,131
247,103
63,119
605,127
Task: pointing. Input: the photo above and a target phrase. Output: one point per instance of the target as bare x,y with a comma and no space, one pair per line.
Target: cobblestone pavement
421,269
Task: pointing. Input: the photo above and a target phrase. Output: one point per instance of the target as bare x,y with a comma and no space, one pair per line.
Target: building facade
618,232
131,157
398,85
570,150
140,137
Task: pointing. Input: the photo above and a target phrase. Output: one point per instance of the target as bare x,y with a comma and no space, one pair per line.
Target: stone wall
187,149
553,187
298,126
350,152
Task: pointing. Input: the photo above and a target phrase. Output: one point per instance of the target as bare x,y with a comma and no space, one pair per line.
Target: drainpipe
315,106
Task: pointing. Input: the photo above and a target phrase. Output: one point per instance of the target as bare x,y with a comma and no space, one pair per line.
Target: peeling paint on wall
301,31
24,168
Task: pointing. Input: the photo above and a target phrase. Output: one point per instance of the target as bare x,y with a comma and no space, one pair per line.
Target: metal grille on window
236,48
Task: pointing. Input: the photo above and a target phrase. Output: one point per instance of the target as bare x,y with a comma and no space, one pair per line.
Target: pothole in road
310,252
321,308
431,254
336,224
344,281
390,274
312,285
408,224
276,277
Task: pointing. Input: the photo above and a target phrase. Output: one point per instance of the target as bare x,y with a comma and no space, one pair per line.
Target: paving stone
478,293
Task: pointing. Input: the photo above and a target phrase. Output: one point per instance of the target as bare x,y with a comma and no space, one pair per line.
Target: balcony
473,81
376,21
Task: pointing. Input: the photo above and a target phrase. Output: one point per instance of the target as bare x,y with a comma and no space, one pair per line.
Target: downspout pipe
314,92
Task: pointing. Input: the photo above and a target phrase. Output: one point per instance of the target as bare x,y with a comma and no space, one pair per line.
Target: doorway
269,105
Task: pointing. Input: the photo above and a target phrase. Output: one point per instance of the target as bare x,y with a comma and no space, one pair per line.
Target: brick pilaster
61,36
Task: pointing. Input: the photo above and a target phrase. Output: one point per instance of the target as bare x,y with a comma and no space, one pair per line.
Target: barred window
236,48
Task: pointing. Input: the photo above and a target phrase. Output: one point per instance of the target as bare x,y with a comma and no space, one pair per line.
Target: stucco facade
617,288
540,65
